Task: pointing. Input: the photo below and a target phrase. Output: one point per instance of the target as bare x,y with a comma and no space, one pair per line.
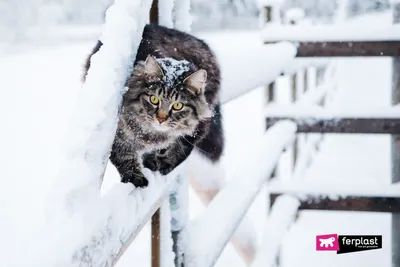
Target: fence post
395,145
155,219
178,201
294,98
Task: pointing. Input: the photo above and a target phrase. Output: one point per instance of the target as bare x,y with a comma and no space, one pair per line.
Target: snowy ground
38,90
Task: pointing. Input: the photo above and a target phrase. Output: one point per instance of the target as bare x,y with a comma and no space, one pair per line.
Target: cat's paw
135,178
151,163
165,167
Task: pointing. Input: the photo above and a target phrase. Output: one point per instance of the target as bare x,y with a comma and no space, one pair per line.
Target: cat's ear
196,81
152,68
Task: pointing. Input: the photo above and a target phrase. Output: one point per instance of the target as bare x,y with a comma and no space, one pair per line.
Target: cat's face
160,99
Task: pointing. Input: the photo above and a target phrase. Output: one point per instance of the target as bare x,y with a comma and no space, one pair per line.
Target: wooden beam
348,49
341,125
395,144
356,203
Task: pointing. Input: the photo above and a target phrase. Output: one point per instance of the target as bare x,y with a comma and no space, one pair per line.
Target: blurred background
36,20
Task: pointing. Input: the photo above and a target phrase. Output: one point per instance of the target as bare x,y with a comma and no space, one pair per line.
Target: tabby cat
171,106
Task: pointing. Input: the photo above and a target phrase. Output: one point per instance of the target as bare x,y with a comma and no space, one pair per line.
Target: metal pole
154,12
395,147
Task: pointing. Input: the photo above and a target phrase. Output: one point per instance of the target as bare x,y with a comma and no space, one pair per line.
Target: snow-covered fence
350,42
97,229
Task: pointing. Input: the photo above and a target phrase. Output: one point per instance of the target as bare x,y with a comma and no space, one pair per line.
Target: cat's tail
87,62
212,145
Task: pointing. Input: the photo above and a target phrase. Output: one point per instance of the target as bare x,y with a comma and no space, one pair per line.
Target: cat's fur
139,139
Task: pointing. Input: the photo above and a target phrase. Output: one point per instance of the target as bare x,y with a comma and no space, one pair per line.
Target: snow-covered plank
274,3
242,71
207,180
331,33
93,124
298,111
361,204
228,208
165,8
282,215
98,234
183,18
303,189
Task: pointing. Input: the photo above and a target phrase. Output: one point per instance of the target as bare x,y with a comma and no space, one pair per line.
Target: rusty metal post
155,239
155,219
154,12
395,146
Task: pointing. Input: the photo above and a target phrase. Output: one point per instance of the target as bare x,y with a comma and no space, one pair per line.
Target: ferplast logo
355,243
348,243
327,242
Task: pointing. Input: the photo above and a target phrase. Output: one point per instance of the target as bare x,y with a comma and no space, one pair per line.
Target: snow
273,58
98,234
299,111
294,14
172,69
165,9
224,213
326,33
305,157
270,2
301,63
282,215
183,18
166,244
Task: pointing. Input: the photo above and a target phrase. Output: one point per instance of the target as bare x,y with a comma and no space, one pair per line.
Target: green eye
177,106
154,100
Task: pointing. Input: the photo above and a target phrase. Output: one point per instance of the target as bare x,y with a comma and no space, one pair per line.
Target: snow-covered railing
97,229
225,212
324,33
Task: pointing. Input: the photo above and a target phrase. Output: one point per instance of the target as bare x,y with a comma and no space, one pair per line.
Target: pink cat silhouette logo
327,242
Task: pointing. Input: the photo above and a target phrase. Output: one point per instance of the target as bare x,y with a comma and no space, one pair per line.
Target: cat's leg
166,160
129,167
212,144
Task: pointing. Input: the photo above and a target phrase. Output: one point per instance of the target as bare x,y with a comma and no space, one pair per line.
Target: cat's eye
154,100
177,106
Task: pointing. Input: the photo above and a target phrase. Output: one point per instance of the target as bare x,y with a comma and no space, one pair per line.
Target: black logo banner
355,243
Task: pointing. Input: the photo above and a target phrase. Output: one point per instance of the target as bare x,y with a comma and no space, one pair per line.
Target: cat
171,106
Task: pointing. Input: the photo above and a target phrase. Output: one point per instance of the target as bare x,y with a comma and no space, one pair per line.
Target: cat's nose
161,117
161,120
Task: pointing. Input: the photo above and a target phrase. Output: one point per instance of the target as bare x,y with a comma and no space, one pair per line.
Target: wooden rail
352,125
366,203
349,49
